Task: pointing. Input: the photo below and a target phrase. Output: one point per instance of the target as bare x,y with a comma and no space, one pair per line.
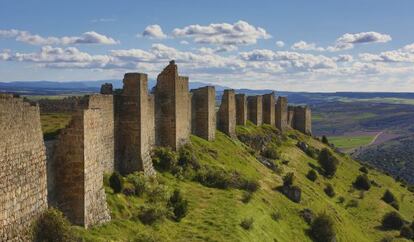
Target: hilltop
215,214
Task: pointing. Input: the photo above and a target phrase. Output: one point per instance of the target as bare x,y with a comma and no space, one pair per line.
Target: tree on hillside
328,162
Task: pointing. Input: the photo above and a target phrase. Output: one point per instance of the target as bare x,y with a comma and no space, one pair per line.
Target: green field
350,142
52,123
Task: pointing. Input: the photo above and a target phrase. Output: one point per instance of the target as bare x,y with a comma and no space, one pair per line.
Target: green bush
406,232
52,226
150,214
322,229
312,175
276,216
115,182
363,169
164,159
392,221
288,179
246,197
328,162
389,198
186,157
212,177
362,182
341,199
271,152
157,193
325,140
178,205
247,223
128,190
329,190
249,185
138,180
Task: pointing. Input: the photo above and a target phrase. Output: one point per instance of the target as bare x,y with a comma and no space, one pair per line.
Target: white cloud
302,45
154,32
239,33
90,37
344,58
364,37
184,42
280,43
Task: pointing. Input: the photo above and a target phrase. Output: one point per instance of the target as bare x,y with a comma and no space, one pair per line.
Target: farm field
348,143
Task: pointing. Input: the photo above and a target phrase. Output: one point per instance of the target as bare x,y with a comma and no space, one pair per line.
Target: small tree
247,223
312,175
288,179
328,162
52,226
392,220
178,205
322,229
115,182
325,140
329,190
389,198
362,182
406,232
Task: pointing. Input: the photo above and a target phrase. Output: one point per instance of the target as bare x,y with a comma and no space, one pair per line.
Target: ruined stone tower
226,116
291,116
23,188
135,132
269,109
281,113
302,119
254,109
172,108
203,112
241,109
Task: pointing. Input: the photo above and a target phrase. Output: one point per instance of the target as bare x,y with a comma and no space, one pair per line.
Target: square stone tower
291,116
281,113
135,121
254,109
172,108
241,109
203,112
303,119
227,114
269,108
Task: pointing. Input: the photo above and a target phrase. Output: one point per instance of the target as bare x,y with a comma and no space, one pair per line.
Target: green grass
350,142
52,123
215,214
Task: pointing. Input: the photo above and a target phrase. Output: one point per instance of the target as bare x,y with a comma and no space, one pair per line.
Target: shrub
307,215
270,152
329,190
115,182
129,189
389,198
52,226
288,179
147,237
276,216
328,162
138,180
186,157
341,199
322,229
213,177
363,169
312,175
325,140
164,159
392,220
406,232
247,223
362,182
247,196
249,185
178,205
157,193
150,214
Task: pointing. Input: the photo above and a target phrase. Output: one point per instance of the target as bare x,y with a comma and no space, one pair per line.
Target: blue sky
291,45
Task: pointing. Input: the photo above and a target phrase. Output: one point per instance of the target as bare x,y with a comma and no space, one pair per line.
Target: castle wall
172,108
241,109
203,112
281,117
135,132
291,116
254,109
303,119
226,116
23,188
268,108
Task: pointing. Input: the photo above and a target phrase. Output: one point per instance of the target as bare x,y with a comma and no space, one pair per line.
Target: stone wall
268,108
226,116
203,112
291,116
172,108
281,113
241,109
23,188
254,109
135,125
303,119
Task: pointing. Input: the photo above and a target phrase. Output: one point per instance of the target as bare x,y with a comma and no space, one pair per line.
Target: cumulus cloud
154,32
364,37
344,58
302,45
90,37
280,43
239,33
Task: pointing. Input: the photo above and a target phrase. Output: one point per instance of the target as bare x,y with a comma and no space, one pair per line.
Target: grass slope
215,215
350,142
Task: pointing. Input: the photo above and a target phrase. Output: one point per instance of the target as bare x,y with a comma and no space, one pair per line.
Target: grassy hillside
215,214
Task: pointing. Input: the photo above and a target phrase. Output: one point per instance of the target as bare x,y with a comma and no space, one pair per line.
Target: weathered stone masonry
203,113
226,116
23,188
281,115
254,109
269,109
241,109
302,119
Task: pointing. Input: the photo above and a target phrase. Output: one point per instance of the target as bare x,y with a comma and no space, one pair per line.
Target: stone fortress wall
115,131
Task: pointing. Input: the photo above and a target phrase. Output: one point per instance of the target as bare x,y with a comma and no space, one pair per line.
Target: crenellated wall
23,186
241,109
226,116
203,112
254,109
268,109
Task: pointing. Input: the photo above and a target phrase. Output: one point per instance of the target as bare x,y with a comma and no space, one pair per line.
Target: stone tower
269,109
172,108
226,116
135,133
203,112
281,113
254,109
303,119
241,109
